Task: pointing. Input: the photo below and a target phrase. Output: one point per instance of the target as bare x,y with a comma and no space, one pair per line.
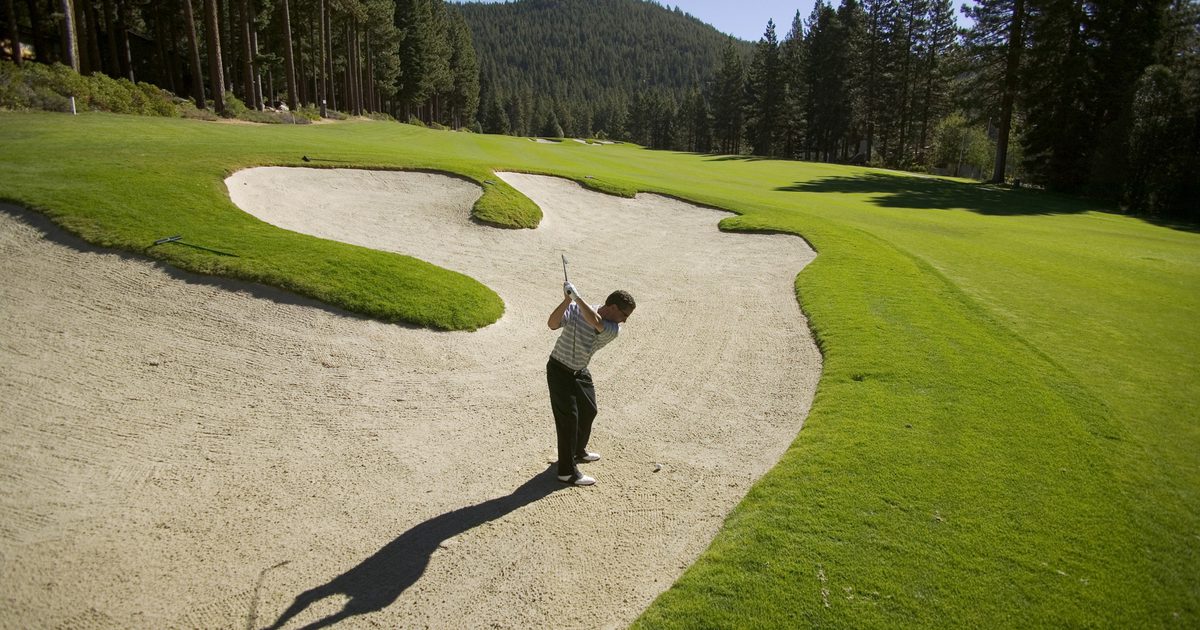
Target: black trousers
573,399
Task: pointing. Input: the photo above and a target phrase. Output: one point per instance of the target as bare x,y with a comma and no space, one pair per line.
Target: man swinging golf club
585,330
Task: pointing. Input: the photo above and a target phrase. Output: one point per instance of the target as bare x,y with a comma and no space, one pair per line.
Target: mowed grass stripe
1049,474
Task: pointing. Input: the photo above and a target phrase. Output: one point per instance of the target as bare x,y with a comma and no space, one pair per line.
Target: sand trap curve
180,451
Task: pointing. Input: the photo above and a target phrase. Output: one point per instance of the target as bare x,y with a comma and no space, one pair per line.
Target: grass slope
1005,433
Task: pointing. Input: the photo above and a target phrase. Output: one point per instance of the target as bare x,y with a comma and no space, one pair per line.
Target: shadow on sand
380,579
55,233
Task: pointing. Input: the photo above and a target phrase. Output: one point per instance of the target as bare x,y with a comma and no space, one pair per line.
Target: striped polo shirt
579,340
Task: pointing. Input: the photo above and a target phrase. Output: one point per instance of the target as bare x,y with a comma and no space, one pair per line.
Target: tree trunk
302,79
370,78
314,58
359,75
14,34
35,24
166,68
1011,75
215,75
70,46
189,19
81,35
126,59
288,59
126,54
930,69
329,58
258,91
110,34
350,91
229,51
323,90
247,55
93,39
355,76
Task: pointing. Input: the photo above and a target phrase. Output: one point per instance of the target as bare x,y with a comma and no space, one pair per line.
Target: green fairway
1006,432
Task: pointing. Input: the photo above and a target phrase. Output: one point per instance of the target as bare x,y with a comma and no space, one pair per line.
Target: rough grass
1005,433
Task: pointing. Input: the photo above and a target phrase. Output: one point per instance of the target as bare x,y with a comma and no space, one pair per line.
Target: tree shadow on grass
719,157
378,581
920,192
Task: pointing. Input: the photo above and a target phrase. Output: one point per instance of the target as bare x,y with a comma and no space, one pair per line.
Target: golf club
178,240
565,280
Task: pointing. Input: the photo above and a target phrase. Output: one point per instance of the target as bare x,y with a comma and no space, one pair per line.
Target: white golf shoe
578,479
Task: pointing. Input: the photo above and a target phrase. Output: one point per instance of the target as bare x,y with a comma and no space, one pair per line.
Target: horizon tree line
1098,97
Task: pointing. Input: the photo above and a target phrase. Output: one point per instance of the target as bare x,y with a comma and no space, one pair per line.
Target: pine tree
464,68
1164,138
727,101
495,119
1059,134
793,73
764,94
285,25
828,60
1123,35
14,33
853,21
936,47
997,41
907,30
1158,142
384,56
70,40
414,20
194,55
879,84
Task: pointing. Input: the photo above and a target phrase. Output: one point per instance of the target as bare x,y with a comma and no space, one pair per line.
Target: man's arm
555,321
590,315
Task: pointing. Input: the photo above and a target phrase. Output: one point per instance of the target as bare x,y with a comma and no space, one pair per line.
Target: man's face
613,313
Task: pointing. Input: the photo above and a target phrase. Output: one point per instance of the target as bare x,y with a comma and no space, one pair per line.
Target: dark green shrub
310,112
267,118
46,99
234,107
188,109
159,102
50,88
110,95
14,93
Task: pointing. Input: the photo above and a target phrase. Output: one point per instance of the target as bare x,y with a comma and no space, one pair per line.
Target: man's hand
569,291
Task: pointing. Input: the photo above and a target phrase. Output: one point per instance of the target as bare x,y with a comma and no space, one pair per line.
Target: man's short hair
622,300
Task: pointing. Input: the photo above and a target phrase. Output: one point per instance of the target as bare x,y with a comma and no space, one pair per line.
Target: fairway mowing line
401,470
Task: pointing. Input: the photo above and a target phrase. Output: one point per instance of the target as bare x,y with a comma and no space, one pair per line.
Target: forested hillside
579,64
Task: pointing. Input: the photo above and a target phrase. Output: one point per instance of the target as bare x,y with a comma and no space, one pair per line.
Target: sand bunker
180,451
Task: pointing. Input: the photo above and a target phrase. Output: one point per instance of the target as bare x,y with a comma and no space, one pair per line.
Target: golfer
585,330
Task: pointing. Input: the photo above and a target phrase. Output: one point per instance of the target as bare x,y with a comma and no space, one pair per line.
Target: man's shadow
379,580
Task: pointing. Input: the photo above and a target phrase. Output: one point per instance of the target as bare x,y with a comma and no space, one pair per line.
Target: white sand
181,451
